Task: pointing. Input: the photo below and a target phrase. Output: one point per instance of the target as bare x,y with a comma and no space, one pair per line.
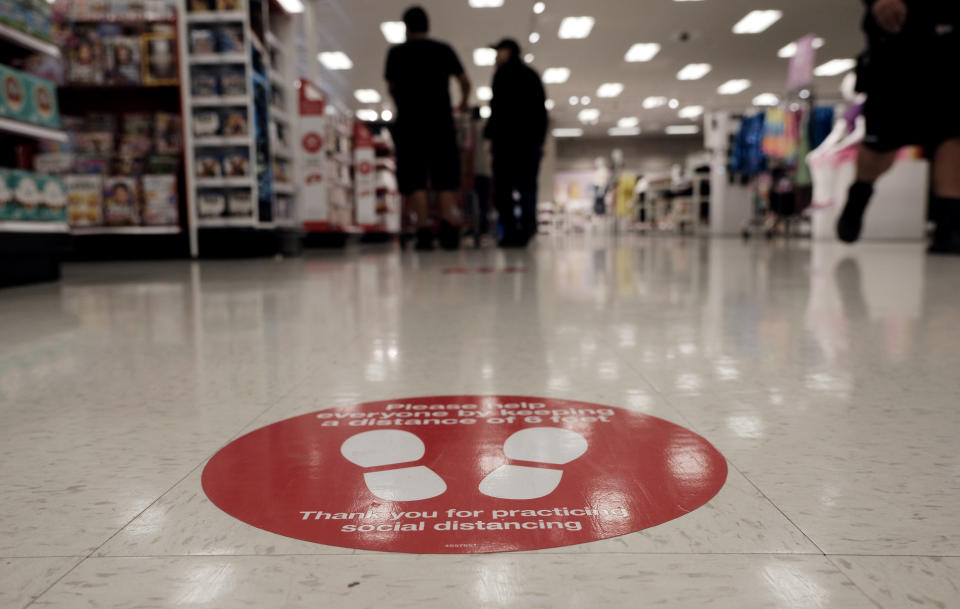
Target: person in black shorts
418,75
909,75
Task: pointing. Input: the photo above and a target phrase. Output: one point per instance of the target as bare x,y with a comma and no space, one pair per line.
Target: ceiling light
367,96
528,58
484,93
682,129
367,114
386,116
575,27
486,3
589,116
556,75
534,37
621,131
485,111
610,89
567,132
642,51
394,31
791,49
674,104
732,87
766,99
654,102
291,6
585,100
691,112
549,104
484,56
694,71
628,121
335,60
835,67
539,7
574,100
757,21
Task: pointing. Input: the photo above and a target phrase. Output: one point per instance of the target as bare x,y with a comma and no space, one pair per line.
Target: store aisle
825,375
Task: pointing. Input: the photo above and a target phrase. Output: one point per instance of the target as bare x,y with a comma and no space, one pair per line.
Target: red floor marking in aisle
464,474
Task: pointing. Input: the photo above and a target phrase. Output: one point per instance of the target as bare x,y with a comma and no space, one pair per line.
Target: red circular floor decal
464,474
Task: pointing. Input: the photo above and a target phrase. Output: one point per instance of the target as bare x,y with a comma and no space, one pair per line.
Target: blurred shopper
418,74
481,177
912,46
516,130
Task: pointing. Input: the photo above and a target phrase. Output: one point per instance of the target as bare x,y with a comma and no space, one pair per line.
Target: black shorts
912,94
427,158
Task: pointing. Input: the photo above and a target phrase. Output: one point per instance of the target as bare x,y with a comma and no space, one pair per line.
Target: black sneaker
424,240
850,224
946,234
449,236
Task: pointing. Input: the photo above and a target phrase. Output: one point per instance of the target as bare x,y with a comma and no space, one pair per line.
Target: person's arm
490,130
389,74
541,110
465,88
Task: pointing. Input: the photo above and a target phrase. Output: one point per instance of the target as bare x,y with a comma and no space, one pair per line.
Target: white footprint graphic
538,444
387,447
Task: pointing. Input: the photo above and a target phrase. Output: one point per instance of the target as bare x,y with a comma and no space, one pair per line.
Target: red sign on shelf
464,474
312,142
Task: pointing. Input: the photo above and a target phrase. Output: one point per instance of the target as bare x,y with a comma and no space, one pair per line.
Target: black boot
449,236
850,223
946,235
424,240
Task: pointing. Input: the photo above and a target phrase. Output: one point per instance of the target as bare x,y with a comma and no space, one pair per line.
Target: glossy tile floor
827,376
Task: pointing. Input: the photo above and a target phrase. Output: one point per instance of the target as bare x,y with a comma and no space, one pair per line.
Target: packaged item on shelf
203,40
159,59
230,39
120,201
86,56
206,123
42,102
54,162
13,94
208,165
162,164
167,137
235,121
204,82
84,200
25,196
229,5
123,60
6,197
53,199
160,204
202,6
92,164
240,203
236,164
211,203
233,81
281,171
94,143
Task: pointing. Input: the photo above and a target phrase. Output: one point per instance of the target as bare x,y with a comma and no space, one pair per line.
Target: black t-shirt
420,71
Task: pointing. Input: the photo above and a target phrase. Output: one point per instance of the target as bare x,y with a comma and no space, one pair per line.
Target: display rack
33,229
282,76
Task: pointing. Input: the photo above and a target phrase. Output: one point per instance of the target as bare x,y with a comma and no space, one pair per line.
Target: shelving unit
31,245
281,75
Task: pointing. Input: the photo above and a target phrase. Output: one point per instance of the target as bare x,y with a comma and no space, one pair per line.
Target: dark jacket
518,116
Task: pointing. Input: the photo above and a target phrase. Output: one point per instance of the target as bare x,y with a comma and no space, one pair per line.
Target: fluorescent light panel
628,121
486,3
835,67
291,6
757,21
574,100
575,27
691,112
367,96
485,112
534,37
539,7
367,114
682,129
589,116
335,60
623,131
484,56
484,93
654,102
642,51
556,75
766,99
549,104
610,89
791,49
528,58
567,132
394,31
733,87
585,100
694,71
386,116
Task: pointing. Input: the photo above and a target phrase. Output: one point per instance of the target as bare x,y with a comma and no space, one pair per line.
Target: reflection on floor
826,375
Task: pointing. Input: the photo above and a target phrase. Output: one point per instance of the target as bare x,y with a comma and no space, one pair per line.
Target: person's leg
527,186
946,204
481,186
449,201
504,184
871,164
420,205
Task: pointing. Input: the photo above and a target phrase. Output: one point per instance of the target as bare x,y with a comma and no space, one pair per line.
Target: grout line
852,583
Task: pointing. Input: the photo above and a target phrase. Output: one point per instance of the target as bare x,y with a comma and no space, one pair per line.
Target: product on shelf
84,200
13,94
209,165
236,164
31,197
202,6
206,123
85,54
123,60
160,204
30,16
211,203
28,98
233,81
43,102
235,122
229,5
204,82
120,201
167,137
240,203
203,40
115,10
230,39
159,59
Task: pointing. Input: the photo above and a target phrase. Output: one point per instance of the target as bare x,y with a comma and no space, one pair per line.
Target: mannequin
840,147
601,183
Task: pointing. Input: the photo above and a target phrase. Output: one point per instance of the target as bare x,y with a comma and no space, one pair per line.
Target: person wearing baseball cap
516,130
